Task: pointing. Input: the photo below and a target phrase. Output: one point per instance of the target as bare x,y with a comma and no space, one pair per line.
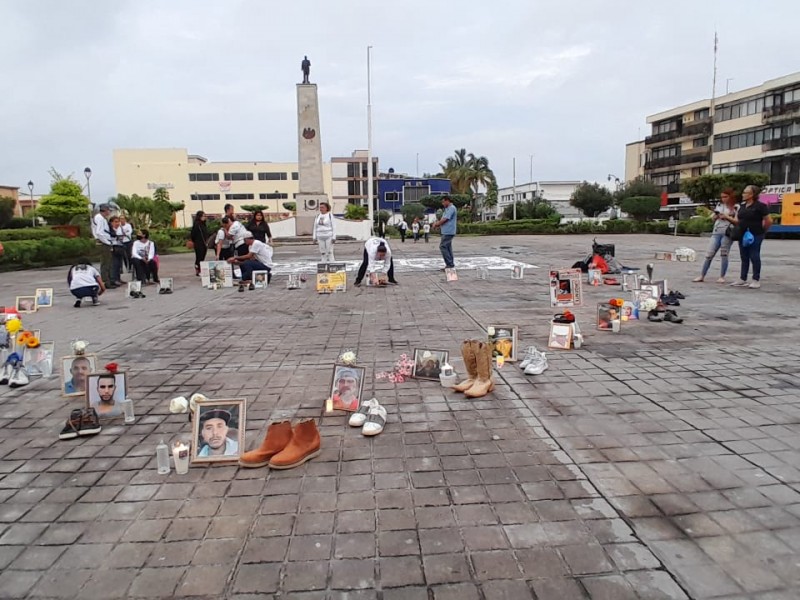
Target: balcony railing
698,127
694,156
663,137
781,112
782,143
673,188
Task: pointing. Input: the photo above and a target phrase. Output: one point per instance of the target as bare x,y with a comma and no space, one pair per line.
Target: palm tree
467,173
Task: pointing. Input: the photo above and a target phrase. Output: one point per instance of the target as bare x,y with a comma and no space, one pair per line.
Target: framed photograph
503,339
630,312
134,287
216,274
517,272
105,392
218,427
566,287
74,372
428,363
166,285
630,282
662,287
607,315
594,277
347,385
451,275
260,279
44,298
40,357
26,304
560,336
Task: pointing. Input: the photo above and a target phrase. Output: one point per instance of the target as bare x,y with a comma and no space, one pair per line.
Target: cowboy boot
278,437
468,352
303,446
483,383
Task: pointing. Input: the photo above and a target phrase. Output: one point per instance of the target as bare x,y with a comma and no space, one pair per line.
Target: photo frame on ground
594,277
332,277
606,316
218,431
630,282
428,363
134,287
105,392
630,312
26,304
44,298
166,284
347,387
503,340
75,370
662,287
216,274
40,357
566,287
560,336
260,280
451,274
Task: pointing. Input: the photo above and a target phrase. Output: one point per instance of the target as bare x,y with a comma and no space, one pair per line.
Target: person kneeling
85,282
257,258
376,249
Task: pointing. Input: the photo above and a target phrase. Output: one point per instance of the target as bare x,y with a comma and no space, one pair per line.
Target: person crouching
257,258
85,282
376,249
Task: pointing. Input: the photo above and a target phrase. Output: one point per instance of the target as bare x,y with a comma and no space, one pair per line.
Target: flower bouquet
402,370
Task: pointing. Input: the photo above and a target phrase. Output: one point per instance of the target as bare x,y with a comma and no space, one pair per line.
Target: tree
161,195
355,212
147,213
65,201
434,201
538,208
467,173
638,187
7,204
641,208
411,211
591,199
290,206
251,208
708,188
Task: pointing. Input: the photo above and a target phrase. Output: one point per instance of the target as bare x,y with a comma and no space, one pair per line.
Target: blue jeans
751,254
718,241
446,247
251,265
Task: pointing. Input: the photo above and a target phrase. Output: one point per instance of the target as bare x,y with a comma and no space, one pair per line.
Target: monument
309,147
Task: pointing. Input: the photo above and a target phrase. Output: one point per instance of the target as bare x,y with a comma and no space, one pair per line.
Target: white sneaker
755,285
530,354
358,418
740,283
19,377
5,373
376,421
538,365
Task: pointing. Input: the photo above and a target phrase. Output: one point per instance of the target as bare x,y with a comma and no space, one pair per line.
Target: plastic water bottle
162,458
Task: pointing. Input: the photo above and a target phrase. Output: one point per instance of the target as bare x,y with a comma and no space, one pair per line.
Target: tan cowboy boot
483,384
468,352
278,437
304,446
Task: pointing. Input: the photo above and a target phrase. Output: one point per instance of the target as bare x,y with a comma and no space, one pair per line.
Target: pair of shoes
284,446
241,287
653,316
77,303
740,283
112,286
137,295
537,364
393,282
611,281
478,361
251,287
81,422
698,279
755,285
165,291
670,299
678,295
370,416
672,317
13,372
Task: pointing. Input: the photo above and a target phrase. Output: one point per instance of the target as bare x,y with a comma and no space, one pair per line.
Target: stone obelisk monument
309,147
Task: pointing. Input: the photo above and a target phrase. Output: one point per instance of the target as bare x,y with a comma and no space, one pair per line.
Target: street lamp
616,180
33,208
87,172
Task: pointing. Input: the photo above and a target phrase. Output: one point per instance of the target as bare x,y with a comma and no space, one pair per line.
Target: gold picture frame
228,427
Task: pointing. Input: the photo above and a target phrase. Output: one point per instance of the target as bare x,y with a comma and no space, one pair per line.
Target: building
350,178
208,186
755,129
557,193
396,190
10,191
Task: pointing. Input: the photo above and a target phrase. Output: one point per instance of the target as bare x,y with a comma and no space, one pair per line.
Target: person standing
415,230
223,245
402,227
720,241
426,231
199,237
447,225
752,216
117,250
125,235
102,235
259,227
324,232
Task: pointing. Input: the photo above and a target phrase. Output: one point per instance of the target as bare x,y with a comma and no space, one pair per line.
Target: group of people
745,223
416,228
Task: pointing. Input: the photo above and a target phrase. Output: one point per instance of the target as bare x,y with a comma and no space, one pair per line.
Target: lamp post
514,186
369,139
87,172
618,184
33,208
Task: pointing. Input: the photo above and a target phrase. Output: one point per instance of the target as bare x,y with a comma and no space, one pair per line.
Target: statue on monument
306,67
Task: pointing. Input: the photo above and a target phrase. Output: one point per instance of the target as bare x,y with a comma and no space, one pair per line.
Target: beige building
756,129
208,186
351,178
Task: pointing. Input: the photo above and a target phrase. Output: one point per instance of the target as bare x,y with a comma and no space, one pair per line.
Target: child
415,230
426,230
85,281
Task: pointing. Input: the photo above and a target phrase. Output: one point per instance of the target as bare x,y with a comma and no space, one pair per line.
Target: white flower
649,304
79,347
349,357
490,331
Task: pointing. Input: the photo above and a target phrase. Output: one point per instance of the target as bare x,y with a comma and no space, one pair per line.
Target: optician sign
772,194
155,186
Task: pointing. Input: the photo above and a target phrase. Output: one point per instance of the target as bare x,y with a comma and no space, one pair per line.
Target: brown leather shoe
304,446
470,363
278,436
483,383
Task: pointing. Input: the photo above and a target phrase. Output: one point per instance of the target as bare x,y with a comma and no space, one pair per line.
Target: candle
180,454
501,360
328,405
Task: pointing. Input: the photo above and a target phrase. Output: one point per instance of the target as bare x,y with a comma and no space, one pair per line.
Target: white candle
329,405
180,454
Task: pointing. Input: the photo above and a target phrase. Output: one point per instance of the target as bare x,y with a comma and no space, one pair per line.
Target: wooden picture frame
218,426
560,336
105,392
566,288
498,336
347,387
44,298
428,363
68,374
26,304
630,282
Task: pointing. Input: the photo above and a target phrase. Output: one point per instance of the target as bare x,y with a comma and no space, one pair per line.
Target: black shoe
77,303
678,295
393,282
251,287
357,284
95,301
73,426
168,291
670,300
672,317
653,316
90,422
241,288
112,286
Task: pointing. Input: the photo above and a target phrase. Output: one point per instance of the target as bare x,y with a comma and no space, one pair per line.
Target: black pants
242,250
362,270
403,235
200,251
145,269
225,253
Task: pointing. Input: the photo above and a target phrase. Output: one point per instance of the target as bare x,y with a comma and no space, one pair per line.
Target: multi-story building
557,193
756,129
350,179
10,191
396,190
208,186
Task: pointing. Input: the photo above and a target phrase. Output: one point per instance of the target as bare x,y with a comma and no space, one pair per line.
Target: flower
22,338
32,341
648,304
111,367
78,347
490,331
13,325
616,302
348,357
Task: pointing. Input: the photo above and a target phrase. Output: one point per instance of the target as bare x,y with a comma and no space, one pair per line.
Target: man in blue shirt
448,229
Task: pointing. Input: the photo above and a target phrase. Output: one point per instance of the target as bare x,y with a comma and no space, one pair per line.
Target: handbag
748,238
734,232
211,242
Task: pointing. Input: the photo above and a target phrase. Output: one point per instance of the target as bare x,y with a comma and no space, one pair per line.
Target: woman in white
143,257
324,233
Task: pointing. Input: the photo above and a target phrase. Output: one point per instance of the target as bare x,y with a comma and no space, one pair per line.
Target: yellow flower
33,342
13,326
22,338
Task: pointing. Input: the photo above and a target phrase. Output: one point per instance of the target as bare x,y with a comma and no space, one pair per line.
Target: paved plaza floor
660,462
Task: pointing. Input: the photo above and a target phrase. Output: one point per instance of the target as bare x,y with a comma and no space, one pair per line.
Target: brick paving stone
209,581
302,576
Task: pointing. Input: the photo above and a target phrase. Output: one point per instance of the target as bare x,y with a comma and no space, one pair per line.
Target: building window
700,142
664,127
205,196
353,170
743,108
272,176
391,197
666,151
665,178
701,114
295,176
273,196
203,176
239,196
238,177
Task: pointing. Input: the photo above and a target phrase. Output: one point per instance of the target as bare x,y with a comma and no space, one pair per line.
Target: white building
557,193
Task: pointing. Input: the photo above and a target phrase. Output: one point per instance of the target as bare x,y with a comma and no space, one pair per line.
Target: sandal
358,418
611,281
376,420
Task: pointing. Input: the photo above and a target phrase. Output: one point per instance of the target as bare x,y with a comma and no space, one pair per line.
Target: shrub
355,212
641,208
26,254
17,223
7,204
30,233
696,226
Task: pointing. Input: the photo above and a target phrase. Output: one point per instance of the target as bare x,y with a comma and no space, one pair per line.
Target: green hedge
548,227
31,233
18,223
26,254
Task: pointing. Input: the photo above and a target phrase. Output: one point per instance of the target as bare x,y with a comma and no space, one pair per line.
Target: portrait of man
26,304
260,279
76,369
217,432
346,389
428,363
606,314
105,392
44,297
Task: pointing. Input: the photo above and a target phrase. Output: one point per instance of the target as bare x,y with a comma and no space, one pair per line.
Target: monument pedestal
307,210
309,146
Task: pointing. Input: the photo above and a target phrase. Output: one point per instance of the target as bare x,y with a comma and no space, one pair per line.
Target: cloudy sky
568,82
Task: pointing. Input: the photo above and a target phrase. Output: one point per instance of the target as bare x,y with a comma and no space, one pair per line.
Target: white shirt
125,232
323,227
226,243
143,250
262,253
371,246
83,277
426,228
101,229
236,232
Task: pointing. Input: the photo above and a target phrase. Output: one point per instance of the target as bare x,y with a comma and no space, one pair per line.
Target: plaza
659,462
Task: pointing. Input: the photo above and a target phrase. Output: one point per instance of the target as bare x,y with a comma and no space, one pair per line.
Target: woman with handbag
720,235
751,223
199,239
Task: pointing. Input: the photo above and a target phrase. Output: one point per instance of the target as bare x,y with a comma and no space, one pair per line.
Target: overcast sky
569,82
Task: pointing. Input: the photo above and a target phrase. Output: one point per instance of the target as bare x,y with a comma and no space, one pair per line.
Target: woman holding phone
719,240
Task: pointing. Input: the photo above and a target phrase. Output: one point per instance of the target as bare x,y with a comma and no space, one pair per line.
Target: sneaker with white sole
358,418
755,285
740,283
5,373
538,365
376,421
19,376
530,353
